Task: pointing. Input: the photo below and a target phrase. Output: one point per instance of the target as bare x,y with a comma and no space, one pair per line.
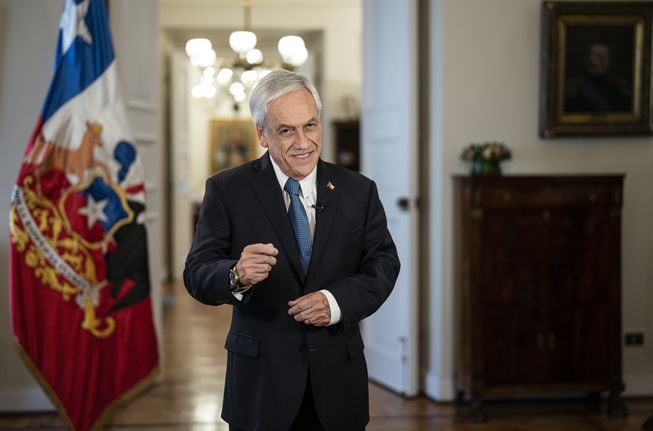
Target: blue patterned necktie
299,222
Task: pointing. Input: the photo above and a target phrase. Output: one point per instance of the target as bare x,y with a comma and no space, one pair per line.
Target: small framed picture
596,68
232,142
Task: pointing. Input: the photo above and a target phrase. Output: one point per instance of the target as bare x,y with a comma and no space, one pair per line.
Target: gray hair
275,85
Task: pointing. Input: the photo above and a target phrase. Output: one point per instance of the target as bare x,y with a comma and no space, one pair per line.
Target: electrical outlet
634,338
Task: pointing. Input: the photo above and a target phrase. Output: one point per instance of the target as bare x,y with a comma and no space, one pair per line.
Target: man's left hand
312,309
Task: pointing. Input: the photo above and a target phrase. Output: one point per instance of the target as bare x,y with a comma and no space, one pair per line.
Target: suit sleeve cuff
336,315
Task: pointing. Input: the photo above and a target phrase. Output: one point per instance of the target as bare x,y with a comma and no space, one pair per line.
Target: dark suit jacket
270,355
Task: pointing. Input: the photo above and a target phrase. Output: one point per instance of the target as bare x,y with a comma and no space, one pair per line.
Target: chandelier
237,72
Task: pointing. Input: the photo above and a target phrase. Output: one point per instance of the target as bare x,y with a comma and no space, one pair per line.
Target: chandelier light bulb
236,88
197,91
254,56
206,80
291,48
299,57
224,75
240,97
248,77
242,41
197,45
209,91
204,90
204,59
209,72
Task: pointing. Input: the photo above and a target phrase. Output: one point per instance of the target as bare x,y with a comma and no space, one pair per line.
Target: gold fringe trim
126,396
104,415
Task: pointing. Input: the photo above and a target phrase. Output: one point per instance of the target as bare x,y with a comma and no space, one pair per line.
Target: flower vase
485,167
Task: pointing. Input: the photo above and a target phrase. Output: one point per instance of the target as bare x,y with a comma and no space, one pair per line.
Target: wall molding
26,399
439,388
443,389
387,365
638,384
142,105
147,139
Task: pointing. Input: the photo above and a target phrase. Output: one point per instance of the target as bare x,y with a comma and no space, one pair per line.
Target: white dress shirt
308,196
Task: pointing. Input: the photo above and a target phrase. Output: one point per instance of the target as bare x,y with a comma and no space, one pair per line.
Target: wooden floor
189,395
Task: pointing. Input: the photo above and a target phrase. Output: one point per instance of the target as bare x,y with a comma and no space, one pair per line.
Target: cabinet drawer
498,196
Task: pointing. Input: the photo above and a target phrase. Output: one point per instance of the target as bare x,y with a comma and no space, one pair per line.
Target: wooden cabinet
347,143
538,285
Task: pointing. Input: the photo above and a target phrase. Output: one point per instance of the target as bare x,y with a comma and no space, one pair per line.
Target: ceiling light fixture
236,73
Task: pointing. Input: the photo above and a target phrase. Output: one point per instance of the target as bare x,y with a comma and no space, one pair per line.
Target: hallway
189,395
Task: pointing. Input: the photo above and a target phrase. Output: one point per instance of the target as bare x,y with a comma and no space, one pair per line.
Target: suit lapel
328,194
266,187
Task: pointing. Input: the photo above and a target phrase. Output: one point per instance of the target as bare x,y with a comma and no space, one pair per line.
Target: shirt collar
307,183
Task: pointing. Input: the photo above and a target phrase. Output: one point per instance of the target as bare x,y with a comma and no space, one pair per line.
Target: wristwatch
234,281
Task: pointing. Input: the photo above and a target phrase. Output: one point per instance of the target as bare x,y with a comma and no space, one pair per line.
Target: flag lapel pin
330,186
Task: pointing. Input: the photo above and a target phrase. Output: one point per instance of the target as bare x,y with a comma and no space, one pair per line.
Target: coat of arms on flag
80,288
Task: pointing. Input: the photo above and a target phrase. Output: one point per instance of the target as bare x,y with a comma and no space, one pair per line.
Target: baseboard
21,400
638,385
438,388
384,368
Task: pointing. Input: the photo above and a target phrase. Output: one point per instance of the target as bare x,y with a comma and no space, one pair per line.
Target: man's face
598,59
293,133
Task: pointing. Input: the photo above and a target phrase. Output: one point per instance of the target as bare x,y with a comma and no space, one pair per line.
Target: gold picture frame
596,68
232,143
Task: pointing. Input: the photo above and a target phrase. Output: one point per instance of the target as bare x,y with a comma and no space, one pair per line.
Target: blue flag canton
84,51
109,207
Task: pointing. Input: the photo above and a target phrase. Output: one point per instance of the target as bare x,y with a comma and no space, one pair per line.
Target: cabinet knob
507,197
546,215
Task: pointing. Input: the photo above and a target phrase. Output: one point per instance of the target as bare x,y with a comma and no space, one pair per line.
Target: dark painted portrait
598,77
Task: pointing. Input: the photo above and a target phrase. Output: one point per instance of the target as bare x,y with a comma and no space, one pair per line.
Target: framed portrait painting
232,142
596,68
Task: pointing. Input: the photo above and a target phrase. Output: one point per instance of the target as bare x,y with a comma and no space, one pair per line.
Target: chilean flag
79,277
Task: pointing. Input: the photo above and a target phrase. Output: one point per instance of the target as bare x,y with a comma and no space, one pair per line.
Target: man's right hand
255,263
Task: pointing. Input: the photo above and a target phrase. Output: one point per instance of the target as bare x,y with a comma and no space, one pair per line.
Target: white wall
28,35
486,57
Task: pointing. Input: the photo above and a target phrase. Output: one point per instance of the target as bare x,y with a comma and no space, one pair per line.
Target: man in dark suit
300,248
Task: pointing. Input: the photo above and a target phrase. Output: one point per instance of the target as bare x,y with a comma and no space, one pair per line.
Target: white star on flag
73,24
94,211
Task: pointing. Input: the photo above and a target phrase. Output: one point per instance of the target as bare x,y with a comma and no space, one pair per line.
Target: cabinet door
580,284
510,266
